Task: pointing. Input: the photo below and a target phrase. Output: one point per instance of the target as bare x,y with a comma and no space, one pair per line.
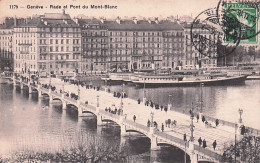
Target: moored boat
173,81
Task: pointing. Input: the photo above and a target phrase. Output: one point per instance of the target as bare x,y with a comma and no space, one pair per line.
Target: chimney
76,20
149,21
63,11
102,19
15,22
156,20
135,20
118,20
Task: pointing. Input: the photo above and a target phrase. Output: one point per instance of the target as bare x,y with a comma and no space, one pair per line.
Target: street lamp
78,90
121,103
97,100
191,125
240,111
169,102
152,114
201,96
144,91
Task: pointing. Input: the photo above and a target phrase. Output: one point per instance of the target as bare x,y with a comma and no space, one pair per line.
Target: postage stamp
222,29
246,13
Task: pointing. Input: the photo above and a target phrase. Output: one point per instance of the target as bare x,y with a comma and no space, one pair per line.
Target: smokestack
156,20
149,21
135,20
15,22
102,19
118,20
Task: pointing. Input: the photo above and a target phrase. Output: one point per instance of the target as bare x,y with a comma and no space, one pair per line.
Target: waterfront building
6,39
139,45
94,45
54,43
48,43
194,59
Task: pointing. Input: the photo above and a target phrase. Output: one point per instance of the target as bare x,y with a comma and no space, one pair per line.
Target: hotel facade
54,43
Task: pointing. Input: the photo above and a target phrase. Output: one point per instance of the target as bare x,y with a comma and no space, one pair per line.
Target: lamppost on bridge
152,114
78,90
122,91
50,80
240,111
201,97
169,102
97,100
191,125
144,99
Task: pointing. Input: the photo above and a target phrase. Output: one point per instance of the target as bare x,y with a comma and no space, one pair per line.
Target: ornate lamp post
121,103
144,92
97,100
191,125
78,90
169,102
152,114
240,111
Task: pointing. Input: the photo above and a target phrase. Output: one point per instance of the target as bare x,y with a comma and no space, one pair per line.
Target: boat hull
212,82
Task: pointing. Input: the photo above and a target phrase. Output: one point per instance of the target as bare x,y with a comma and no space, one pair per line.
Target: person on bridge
139,101
203,119
217,122
204,143
214,144
184,137
134,118
200,141
162,127
148,123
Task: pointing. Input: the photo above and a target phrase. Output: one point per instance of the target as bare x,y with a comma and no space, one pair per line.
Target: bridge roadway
173,136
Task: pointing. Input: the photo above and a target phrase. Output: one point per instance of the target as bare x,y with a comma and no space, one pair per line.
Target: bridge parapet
113,116
137,126
88,107
207,153
170,138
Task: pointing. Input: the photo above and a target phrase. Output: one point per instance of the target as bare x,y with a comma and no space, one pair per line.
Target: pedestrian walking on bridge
184,137
162,127
198,117
204,143
214,144
134,118
200,141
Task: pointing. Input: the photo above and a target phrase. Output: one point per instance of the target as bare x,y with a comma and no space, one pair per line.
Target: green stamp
240,22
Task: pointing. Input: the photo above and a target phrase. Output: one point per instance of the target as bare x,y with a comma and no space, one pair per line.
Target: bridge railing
90,107
56,94
223,122
136,125
45,89
208,152
113,116
171,138
70,99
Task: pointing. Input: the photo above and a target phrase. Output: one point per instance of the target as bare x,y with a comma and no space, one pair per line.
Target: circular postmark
247,14
209,34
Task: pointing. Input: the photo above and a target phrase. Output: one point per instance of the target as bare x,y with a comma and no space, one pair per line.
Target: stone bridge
157,138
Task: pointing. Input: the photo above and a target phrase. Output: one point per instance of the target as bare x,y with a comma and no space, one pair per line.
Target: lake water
29,122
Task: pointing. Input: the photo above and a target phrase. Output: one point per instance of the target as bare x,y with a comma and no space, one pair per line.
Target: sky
125,8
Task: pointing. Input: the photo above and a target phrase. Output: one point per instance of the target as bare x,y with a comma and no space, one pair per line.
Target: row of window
61,49
59,57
